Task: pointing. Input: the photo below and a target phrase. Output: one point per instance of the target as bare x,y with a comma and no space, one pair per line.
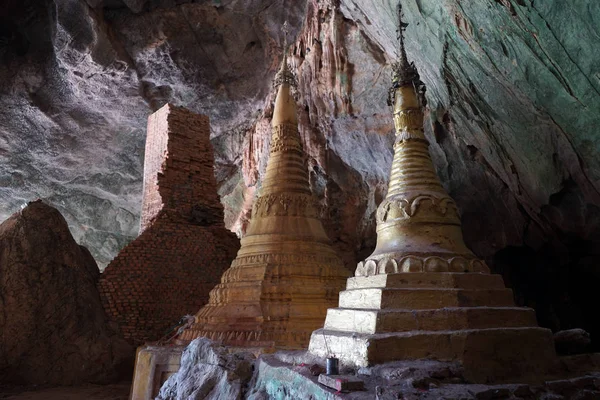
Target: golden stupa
286,274
423,294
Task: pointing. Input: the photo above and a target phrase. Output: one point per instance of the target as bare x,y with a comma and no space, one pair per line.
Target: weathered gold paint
286,274
418,227
423,293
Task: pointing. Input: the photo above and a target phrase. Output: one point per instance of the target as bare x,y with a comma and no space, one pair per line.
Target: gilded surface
418,224
423,293
286,275
285,204
408,121
404,208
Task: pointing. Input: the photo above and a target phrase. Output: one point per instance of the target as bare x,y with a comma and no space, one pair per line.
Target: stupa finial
285,75
404,73
403,62
285,28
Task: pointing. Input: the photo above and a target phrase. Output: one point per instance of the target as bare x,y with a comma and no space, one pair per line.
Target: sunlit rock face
513,87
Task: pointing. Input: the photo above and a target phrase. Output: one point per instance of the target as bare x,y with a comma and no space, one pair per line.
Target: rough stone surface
52,326
184,248
291,375
401,380
512,86
209,372
572,341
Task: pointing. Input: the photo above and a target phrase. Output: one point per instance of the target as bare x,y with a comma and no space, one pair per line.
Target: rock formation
513,93
289,378
183,247
52,326
213,372
286,273
209,372
572,341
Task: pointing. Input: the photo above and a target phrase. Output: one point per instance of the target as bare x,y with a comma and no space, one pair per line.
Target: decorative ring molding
399,208
414,263
286,204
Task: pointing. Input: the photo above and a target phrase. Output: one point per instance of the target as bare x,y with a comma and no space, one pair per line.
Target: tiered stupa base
269,306
446,316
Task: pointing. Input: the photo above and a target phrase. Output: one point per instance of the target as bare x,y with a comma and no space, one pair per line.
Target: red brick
168,271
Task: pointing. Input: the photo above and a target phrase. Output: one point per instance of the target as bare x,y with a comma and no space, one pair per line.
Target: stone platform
285,376
211,371
466,317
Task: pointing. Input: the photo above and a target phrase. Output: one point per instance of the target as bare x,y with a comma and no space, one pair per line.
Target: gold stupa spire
418,226
423,294
285,76
286,273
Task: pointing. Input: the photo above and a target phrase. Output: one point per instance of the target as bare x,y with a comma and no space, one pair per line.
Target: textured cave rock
78,83
210,372
52,326
572,341
513,88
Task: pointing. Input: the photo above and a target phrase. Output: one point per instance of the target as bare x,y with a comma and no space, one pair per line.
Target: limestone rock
209,372
52,326
288,375
572,341
418,380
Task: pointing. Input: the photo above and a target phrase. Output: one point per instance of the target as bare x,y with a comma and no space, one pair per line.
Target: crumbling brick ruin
183,247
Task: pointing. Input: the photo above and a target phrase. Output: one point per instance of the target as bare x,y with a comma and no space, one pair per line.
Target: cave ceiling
513,88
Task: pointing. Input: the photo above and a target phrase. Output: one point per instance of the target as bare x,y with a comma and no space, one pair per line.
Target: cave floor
118,391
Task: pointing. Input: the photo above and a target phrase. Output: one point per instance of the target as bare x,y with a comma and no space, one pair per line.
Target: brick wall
183,247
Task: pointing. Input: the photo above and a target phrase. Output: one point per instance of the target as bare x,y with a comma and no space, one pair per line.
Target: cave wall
512,85
78,80
513,90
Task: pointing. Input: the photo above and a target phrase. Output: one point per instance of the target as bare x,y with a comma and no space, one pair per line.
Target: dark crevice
373,48
557,281
560,276
579,160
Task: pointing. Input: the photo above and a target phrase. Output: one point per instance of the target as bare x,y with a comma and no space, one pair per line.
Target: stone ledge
424,298
428,279
370,321
497,355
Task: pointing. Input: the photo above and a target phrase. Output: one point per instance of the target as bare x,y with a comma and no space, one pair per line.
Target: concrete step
487,355
451,318
428,280
425,299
